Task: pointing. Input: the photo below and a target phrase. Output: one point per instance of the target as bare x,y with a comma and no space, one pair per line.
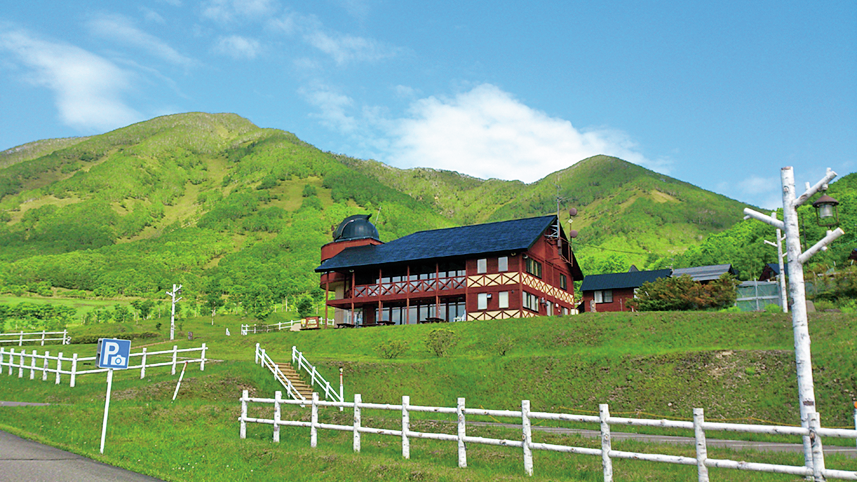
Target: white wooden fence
263,359
699,427
316,379
40,337
247,329
35,362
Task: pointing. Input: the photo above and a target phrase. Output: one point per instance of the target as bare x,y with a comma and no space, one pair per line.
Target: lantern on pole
826,212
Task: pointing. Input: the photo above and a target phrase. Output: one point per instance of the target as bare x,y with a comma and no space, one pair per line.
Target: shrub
392,349
773,308
93,339
441,341
503,345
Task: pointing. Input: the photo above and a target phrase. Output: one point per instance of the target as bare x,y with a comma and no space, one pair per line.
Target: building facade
511,269
612,291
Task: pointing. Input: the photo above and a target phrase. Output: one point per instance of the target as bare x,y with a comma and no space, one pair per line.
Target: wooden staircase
294,377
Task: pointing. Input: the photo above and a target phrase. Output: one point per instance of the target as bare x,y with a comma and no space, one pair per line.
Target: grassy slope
736,366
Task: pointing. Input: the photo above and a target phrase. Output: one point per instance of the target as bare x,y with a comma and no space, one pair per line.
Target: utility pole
172,294
781,277
803,362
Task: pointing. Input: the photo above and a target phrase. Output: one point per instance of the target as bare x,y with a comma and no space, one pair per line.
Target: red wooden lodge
509,269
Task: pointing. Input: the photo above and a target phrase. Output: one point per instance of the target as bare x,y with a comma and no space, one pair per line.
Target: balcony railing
408,287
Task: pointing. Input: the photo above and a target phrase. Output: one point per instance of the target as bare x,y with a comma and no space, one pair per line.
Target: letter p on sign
113,353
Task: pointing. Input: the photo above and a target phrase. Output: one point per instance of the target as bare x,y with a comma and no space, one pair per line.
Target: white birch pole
33,365
278,397
527,437
73,370
243,419
701,448
406,425
606,445
313,431
462,430
106,408
45,366
59,368
356,434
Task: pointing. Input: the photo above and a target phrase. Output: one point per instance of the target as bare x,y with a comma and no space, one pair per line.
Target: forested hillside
237,212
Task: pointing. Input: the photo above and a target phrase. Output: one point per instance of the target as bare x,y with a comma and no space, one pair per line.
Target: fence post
277,398
701,449
73,370
175,357
33,365
604,414
45,366
817,453
294,349
43,337
256,359
12,360
21,364
357,399
202,363
59,367
65,340
2,352
462,449
243,419
21,339
406,423
313,376
143,365
527,437
313,431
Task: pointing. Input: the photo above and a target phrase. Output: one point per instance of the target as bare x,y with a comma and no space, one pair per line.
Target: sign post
111,354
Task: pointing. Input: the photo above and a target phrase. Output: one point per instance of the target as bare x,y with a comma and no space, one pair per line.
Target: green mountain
220,205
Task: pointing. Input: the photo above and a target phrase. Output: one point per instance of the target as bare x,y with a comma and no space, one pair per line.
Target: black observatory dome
355,227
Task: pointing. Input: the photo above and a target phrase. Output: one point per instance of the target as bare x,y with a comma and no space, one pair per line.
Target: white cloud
347,48
333,106
88,88
120,29
227,11
487,133
238,47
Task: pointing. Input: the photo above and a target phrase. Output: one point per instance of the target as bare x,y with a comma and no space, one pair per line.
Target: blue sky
718,94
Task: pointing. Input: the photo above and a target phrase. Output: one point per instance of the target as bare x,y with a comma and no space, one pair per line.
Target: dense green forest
237,213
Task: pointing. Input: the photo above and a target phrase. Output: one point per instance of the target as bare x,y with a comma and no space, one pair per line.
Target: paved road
22,460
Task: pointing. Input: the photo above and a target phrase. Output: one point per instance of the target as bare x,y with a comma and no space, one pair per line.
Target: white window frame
503,299
503,264
482,265
482,301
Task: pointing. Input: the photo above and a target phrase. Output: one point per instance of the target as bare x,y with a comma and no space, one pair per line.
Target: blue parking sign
113,353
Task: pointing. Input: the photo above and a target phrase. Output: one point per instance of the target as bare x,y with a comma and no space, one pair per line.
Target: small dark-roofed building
510,269
770,272
704,274
611,292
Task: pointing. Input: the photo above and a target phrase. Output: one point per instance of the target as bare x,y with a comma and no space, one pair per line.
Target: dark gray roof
465,241
704,273
615,281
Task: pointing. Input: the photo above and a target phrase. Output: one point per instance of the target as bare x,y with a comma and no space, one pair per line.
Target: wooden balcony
405,289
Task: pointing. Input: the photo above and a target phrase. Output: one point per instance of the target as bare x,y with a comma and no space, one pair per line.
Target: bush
503,345
392,349
93,339
441,341
773,308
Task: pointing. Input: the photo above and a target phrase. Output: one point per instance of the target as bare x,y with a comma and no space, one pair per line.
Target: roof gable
705,273
615,281
464,241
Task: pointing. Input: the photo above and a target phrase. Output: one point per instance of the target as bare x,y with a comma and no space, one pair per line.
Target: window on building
503,299
503,264
531,302
604,296
482,301
563,282
564,311
534,267
482,266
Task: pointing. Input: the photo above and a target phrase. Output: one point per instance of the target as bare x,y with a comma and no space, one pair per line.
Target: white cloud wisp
487,133
88,88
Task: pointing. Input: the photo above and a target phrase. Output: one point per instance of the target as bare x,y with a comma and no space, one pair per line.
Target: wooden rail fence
35,362
699,427
39,336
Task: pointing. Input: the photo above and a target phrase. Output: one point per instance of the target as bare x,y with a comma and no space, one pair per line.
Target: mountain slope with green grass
214,202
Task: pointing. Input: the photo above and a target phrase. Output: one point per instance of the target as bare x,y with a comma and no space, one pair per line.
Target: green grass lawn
738,367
